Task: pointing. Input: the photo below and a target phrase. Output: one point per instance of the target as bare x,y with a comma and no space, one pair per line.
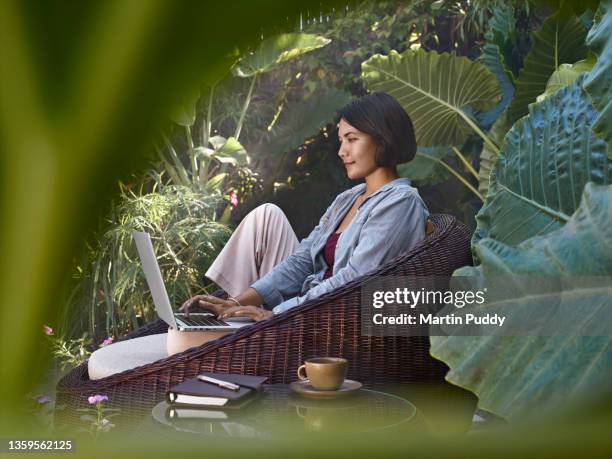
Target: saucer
304,388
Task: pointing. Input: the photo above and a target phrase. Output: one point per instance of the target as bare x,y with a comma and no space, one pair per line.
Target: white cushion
125,355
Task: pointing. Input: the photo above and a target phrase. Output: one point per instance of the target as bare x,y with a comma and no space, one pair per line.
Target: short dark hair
381,116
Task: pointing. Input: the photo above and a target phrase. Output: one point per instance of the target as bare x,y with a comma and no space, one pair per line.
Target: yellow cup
324,373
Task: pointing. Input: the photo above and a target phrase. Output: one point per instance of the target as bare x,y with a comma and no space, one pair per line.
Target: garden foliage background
495,90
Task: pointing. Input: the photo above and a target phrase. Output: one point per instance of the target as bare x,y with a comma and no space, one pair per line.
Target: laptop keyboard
203,321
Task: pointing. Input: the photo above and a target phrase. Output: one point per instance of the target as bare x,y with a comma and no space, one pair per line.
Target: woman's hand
208,302
253,312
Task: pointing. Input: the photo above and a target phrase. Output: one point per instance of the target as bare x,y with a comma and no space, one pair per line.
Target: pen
218,382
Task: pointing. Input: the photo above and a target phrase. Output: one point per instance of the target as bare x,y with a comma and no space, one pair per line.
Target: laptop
196,321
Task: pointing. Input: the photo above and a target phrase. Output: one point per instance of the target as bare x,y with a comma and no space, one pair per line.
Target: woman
363,228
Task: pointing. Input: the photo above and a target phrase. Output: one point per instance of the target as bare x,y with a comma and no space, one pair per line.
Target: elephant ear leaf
275,50
566,74
598,83
434,88
184,114
301,120
560,40
496,54
426,167
545,161
525,373
502,34
488,157
492,59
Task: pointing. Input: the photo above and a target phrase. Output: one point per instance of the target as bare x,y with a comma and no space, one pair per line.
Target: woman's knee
267,210
268,207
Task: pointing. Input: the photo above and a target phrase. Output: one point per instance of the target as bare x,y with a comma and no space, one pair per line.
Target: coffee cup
324,373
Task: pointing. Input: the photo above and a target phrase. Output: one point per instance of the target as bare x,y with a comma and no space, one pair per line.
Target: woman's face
357,151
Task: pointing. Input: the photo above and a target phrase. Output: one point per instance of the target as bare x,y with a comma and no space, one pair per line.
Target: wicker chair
328,325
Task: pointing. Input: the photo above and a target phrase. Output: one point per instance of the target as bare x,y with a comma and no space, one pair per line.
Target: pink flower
48,330
97,398
234,199
107,341
42,399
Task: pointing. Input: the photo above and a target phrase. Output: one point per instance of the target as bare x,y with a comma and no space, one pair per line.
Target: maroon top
329,253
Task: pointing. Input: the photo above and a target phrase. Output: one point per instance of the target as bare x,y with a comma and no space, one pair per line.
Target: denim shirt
390,221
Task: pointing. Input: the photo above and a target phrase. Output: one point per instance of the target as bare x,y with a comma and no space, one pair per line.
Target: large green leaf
492,59
546,159
512,375
565,75
425,168
232,152
502,33
276,50
561,39
301,120
499,41
495,56
488,157
185,112
599,82
501,24
433,88
226,151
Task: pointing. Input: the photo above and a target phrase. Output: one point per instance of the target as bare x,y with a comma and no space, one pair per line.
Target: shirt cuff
286,305
271,295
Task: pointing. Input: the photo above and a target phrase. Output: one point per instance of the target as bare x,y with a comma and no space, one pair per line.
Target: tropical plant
558,42
288,135
451,98
69,353
270,54
550,156
434,88
186,238
222,162
181,208
546,161
561,39
208,166
286,130
566,74
547,214
512,375
599,80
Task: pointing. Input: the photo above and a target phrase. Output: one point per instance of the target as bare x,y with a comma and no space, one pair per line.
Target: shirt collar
393,183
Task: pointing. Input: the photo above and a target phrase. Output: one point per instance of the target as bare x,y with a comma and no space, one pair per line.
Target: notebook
194,392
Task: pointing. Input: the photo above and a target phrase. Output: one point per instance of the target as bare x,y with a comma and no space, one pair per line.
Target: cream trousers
262,240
